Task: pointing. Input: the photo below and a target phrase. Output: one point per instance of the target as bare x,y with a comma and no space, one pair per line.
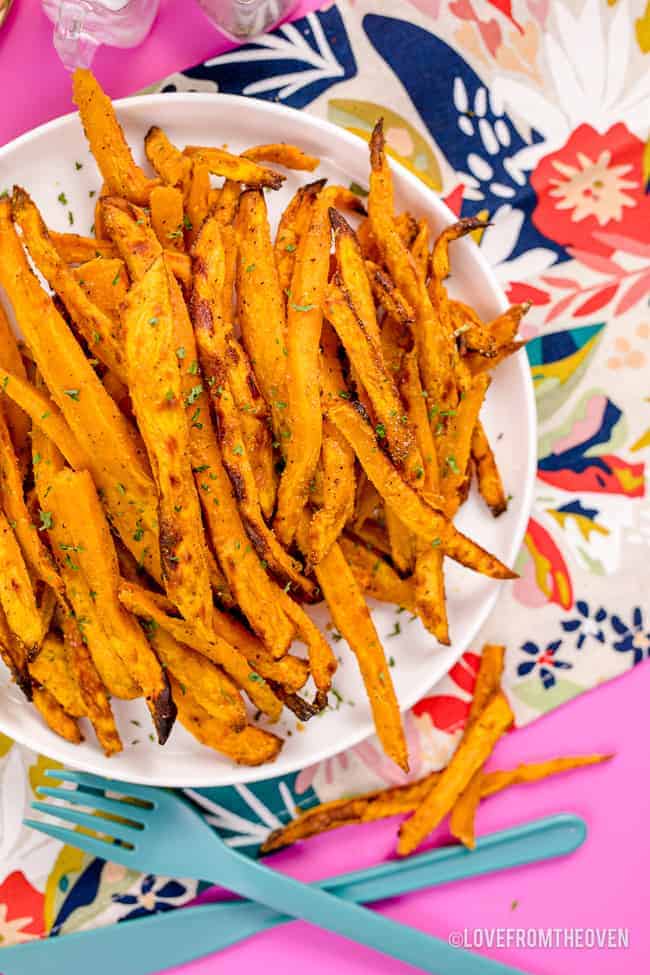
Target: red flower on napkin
21,910
593,185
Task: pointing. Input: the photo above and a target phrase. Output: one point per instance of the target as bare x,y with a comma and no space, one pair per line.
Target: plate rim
244,775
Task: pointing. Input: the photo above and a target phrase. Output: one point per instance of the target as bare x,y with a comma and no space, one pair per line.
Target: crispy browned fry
222,163
289,671
197,201
420,247
461,817
454,445
55,717
105,282
16,593
475,747
91,554
322,661
283,154
100,331
429,524
405,798
79,594
212,339
489,480
107,142
50,669
292,226
167,217
17,420
45,415
353,275
169,162
469,329
91,688
98,230
402,542
352,619
131,231
254,591
14,656
503,329
216,692
227,202
304,321
477,363
136,242
101,431
488,679
260,303
341,198
337,460
373,534
157,396
366,357
388,296
375,576
213,647
437,351
75,249
13,502
367,502
407,227
252,746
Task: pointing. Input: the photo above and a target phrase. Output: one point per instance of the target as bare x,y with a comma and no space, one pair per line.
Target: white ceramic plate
43,162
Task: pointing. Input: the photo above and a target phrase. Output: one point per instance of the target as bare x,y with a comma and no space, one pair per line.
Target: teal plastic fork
144,842
174,938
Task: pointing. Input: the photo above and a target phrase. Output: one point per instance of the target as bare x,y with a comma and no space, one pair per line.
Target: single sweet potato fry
252,746
107,142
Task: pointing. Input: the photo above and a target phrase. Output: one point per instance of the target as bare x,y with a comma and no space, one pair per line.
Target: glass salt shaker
244,19
80,26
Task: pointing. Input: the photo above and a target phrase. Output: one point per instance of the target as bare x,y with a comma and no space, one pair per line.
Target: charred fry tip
338,223
313,189
377,144
151,132
24,681
164,712
303,710
498,509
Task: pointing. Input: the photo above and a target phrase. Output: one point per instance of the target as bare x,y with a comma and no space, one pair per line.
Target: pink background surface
603,884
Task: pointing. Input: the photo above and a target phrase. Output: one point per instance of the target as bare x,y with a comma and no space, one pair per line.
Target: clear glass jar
244,19
80,26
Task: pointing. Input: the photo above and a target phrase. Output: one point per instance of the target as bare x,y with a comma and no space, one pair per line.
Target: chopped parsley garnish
62,198
78,165
397,629
250,268
46,520
194,368
70,217
357,189
238,449
451,463
301,307
116,279
436,542
153,321
72,393
193,394
256,678
380,430
180,351
187,223
290,248
169,395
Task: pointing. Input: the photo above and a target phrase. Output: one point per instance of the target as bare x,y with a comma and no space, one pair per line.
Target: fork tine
96,848
118,831
77,797
146,793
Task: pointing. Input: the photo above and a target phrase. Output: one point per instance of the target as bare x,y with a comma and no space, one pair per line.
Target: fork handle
326,911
